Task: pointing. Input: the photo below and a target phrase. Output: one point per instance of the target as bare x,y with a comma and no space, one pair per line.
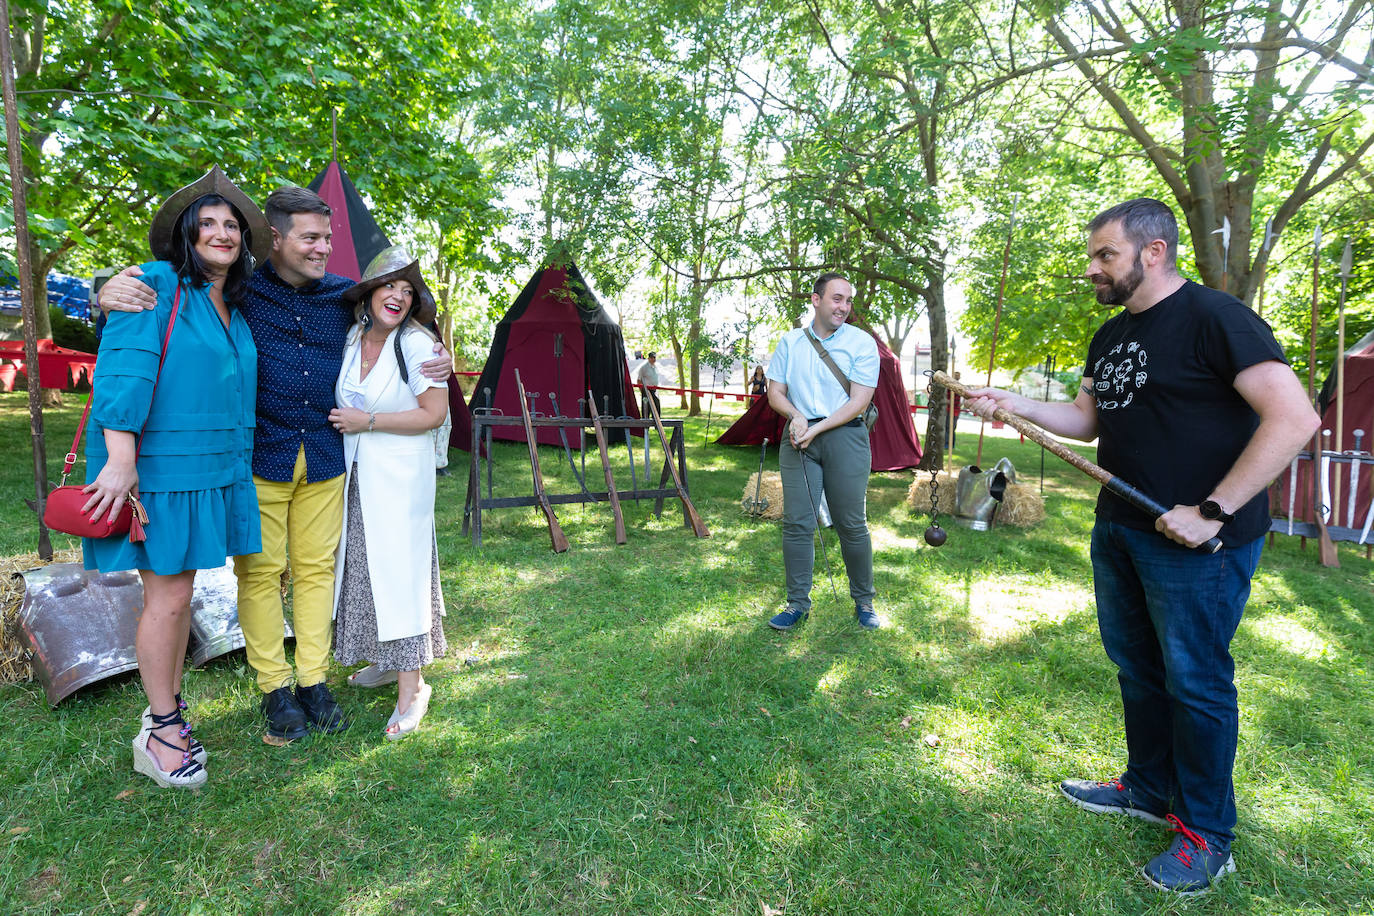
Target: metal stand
482,423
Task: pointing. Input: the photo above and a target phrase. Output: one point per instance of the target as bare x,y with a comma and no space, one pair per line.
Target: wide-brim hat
212,182
395,263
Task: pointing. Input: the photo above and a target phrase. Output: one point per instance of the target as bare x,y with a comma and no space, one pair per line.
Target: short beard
1120,290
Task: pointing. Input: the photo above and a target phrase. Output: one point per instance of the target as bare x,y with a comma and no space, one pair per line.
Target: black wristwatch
1211,509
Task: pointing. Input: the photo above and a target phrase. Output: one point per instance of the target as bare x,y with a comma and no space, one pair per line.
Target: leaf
906,722
764,710
123,795
932,739
691,740
15,831
770,911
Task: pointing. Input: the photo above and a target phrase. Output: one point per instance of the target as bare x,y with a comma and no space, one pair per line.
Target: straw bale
1021,506
14,658
769,493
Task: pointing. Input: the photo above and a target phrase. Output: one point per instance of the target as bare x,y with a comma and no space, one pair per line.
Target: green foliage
72,333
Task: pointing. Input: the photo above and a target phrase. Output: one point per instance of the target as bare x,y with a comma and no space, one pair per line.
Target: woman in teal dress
193,470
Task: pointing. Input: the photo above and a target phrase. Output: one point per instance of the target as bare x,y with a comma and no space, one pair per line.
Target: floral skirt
355,624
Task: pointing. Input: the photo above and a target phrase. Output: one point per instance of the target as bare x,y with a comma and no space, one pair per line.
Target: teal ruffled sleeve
130,348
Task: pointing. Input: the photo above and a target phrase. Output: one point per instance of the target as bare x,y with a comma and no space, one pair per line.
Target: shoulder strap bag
62,509
870,414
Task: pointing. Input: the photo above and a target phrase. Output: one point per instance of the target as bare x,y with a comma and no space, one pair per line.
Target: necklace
367,362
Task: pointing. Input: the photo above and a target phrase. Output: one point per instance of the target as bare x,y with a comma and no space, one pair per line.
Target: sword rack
481,466
1343,494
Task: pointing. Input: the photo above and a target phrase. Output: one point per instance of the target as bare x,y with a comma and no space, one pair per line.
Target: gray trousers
836,463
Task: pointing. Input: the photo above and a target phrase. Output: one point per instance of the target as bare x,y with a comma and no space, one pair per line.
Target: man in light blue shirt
826,447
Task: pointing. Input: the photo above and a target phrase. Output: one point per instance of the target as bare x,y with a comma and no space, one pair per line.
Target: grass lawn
616,730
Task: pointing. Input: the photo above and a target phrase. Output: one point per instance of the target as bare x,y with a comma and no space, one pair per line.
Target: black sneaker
319,706
1108,798
285,718
1191,865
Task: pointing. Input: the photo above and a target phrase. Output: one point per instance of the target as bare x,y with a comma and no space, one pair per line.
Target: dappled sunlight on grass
1292,636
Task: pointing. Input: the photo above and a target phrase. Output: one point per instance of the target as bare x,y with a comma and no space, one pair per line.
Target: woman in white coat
388,609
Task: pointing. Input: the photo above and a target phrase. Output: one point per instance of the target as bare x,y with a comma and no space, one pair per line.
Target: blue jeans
1167,616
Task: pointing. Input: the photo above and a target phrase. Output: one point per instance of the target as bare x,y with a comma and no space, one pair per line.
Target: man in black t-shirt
1193,403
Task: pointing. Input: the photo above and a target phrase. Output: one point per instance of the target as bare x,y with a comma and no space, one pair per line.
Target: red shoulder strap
70,460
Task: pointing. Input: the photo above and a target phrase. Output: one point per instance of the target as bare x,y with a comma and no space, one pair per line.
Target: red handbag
62,509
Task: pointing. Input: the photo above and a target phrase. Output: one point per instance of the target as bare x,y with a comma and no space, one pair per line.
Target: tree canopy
704,159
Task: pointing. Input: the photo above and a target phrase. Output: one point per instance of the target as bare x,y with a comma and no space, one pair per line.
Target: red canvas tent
357,240
562,341
893,439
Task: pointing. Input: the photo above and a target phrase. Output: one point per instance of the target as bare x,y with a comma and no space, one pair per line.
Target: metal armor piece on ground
215,615
79,625
978,493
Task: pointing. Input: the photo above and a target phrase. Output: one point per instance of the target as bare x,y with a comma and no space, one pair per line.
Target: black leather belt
857,421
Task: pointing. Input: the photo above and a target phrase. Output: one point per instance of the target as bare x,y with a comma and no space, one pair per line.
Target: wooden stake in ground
1113,483
1340,380
556,535
698,526
24,264
1326,550
606,466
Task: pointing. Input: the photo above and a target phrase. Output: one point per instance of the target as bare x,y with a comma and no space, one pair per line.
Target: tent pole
24,263
334,135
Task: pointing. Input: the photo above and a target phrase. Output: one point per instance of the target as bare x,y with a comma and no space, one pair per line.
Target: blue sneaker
868,619
788,618
1191,865
1108,798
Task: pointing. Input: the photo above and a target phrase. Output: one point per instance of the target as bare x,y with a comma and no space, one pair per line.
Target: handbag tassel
137,521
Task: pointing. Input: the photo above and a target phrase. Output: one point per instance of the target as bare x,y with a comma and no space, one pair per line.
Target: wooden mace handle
1037,435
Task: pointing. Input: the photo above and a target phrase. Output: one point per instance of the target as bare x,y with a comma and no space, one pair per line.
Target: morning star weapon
611,491
556,535
1111,482
1292,490
698,526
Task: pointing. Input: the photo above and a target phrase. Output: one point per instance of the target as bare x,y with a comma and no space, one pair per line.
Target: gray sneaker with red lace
1110,797
1191,865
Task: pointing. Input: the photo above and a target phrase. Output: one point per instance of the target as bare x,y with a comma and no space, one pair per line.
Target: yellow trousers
302,521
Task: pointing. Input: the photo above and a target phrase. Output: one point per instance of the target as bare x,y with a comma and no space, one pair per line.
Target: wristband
371,422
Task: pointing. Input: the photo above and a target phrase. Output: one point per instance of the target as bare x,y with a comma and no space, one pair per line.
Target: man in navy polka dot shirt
299,322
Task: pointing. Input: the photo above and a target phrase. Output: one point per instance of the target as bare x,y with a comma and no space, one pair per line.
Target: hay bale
918,497
769,493
14,657
1021,506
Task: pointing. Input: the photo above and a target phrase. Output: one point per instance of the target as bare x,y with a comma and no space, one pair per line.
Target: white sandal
403,725
372,676
189,775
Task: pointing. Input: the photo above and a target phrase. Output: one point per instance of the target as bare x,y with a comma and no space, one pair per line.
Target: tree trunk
933,452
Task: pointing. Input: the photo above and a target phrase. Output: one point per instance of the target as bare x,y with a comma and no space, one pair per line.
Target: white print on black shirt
1119,375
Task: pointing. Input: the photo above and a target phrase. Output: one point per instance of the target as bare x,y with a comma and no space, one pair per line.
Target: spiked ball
935,535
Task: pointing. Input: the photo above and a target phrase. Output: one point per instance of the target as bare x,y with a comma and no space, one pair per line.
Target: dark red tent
562,341
357,240
893,439
357,237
